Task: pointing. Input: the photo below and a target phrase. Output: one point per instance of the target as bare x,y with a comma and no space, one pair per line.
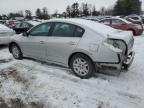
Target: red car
119,23
92,19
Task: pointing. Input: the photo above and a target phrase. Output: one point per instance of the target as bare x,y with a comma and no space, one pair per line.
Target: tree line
121,7
126,7
75,10
40,14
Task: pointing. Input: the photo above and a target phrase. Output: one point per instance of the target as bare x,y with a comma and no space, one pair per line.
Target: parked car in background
103,17
5,34
92,19
23,26
134,19
84,46
119,23
2,21
10,23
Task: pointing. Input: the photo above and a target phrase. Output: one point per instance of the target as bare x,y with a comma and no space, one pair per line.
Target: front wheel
16,52
82,66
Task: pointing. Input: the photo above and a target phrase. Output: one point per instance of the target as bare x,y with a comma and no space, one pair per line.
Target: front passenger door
35,44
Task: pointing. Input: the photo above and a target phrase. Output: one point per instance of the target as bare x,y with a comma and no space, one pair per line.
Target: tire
16,52
82,66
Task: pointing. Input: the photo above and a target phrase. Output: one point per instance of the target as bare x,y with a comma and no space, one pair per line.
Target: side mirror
25,34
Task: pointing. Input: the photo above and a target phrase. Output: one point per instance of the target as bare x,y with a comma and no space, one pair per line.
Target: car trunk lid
126,36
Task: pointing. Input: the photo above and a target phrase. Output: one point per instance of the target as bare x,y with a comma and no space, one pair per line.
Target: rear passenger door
64,38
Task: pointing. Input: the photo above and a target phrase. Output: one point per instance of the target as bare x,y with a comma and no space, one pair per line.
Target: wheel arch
74,53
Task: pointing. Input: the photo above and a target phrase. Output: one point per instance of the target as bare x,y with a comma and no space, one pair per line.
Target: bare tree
102,11
68,11
38,13
85,9
45,14
28,14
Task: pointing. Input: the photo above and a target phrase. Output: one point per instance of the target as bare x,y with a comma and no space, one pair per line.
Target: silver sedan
84,46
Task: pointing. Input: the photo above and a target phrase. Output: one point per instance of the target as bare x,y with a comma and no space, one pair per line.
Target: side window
63,30
25,25
78,32
30,26
41,30
117,21
107,21
18,25
135,18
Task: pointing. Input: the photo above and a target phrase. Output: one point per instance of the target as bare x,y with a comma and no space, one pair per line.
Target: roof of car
33,22
98,27
124,20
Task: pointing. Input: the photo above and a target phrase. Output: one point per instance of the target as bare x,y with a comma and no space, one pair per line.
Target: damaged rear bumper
124,63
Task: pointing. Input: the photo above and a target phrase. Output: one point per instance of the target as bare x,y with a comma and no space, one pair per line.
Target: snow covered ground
32,84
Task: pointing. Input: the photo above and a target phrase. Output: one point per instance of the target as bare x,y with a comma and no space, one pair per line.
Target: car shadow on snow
3,47
5,60
100,74
56,66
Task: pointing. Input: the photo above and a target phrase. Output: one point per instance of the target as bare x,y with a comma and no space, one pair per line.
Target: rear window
78,32
106,21
135,18
117,21
67,30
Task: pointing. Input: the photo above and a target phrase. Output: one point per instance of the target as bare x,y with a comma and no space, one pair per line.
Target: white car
5,34
133,18
84,46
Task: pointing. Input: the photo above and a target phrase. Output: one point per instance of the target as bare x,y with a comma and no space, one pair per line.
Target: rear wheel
82,66
16,52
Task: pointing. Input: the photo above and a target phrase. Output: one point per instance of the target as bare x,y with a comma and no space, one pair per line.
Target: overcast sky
7,6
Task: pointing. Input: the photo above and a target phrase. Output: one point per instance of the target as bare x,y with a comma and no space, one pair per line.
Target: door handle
41,42
71,43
